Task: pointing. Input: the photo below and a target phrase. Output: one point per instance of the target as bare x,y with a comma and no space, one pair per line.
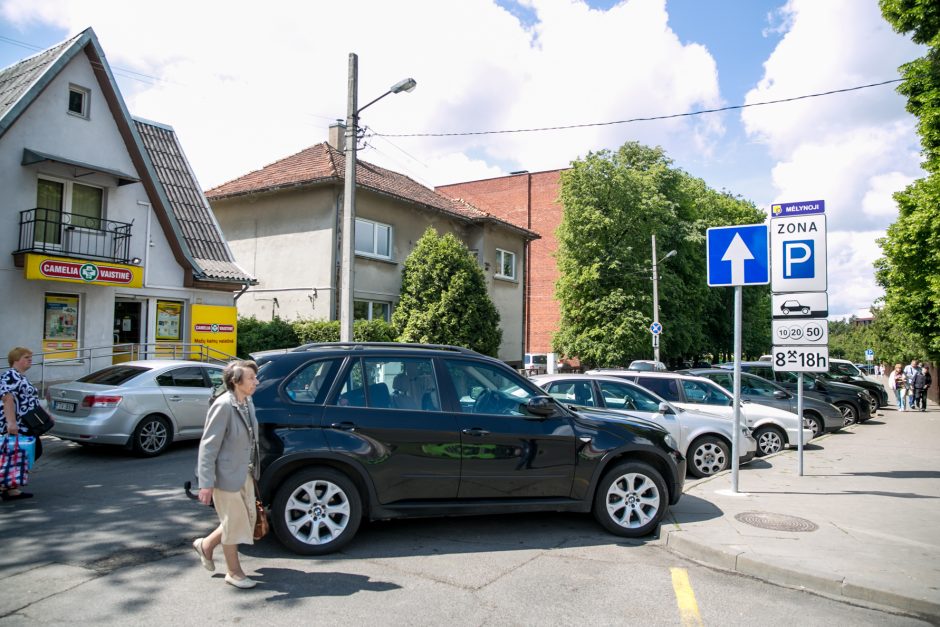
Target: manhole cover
776,522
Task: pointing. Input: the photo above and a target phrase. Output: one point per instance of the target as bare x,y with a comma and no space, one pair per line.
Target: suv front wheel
631,499
316,511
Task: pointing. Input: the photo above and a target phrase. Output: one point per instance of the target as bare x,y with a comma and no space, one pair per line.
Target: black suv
396,430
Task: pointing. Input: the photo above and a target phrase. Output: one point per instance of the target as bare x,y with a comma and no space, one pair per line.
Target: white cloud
852,150
265,80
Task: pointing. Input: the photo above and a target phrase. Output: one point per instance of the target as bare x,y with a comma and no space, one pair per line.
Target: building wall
529,200
287,240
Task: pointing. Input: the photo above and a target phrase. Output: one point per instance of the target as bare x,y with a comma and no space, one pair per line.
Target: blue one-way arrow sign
738,255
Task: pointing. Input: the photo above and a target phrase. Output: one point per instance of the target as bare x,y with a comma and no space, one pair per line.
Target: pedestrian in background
909,371
898,382
928,380
19,396
917,388
227,470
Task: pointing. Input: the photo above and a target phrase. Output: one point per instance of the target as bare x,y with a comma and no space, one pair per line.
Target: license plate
63,406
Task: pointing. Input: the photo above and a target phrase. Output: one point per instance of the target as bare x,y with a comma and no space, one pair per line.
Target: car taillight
100,400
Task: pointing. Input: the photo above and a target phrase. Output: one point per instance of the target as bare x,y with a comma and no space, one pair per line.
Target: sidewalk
862,523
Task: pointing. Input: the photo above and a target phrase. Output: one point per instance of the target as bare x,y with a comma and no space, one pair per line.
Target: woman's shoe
244,583
207,563
6,496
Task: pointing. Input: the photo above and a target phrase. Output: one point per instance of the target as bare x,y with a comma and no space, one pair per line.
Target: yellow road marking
685,598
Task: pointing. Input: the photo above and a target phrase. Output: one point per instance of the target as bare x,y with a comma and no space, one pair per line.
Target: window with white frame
372,310
505,264
66,202
78,101
373,239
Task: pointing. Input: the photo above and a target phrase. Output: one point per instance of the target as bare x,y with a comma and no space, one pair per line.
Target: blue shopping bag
14,463
28,444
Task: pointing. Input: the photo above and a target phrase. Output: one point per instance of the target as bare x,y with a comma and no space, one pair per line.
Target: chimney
337,138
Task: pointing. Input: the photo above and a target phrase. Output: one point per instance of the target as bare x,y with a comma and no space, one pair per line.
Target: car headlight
671,442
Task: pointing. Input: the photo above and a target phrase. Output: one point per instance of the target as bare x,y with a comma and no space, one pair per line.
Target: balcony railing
55,232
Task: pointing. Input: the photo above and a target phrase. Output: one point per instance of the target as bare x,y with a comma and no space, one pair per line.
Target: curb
827,584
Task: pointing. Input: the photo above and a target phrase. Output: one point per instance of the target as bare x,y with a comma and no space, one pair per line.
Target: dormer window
78,101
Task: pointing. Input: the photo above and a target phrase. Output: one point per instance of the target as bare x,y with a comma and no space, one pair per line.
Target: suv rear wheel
316,511
849,414
814,422
631,499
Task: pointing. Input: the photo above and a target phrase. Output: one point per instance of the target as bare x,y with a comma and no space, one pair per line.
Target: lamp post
671,253
349,191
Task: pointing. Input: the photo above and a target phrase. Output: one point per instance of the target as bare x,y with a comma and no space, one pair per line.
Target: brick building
530,201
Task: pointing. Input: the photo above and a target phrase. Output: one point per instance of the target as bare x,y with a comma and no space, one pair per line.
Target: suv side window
663,387
707,394
622,396
757,386
391,383
485,389
306,385
724,380
577,392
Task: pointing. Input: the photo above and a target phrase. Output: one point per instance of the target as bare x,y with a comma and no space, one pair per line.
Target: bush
328,331
257,335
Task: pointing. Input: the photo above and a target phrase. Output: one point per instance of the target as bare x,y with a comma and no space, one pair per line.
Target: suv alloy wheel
316,511
630,500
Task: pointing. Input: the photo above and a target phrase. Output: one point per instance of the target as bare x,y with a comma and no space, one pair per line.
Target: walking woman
898,382
19,396
227,470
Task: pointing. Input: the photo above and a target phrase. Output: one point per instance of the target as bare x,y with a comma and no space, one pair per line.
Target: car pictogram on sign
792,307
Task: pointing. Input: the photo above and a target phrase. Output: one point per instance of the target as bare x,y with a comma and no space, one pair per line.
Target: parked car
767,423
844,371
359,430
145,405
704,439
852,401
647,365
818,415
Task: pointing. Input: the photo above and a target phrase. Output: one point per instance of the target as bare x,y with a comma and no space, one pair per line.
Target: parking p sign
798,254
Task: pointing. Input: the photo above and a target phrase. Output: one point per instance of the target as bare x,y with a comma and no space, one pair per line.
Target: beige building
283,223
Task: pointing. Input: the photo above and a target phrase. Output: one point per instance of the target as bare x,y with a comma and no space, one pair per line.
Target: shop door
127,328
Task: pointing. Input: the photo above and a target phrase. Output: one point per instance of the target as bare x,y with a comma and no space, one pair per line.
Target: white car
703,439
773,428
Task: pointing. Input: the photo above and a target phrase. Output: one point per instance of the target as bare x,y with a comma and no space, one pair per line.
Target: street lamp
349,192
671,253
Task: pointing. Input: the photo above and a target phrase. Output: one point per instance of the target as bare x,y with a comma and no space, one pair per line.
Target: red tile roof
324,164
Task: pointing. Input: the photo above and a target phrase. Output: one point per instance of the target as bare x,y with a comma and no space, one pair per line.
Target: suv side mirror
664,408
541,405
781,394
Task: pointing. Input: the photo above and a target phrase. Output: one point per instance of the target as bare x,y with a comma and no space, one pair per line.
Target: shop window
60,326
505,264
169,321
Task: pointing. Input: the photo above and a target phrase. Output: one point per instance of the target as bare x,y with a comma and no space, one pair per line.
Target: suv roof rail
362,345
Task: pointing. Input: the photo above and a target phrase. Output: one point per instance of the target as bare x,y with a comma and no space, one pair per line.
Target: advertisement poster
169,321
214,327
60,327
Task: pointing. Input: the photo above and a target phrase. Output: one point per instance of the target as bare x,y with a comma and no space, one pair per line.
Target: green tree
613,202
909,271
444,298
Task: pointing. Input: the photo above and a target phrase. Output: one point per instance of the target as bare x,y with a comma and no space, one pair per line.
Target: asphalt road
107,541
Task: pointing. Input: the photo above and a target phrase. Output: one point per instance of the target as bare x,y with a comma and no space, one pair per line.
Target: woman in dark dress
19,396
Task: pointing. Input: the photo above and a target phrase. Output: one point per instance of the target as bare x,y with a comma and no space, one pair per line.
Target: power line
642,119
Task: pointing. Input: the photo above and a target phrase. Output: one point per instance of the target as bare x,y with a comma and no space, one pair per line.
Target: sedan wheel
316,511
849,415
769,441
631,499
812,421
152,436
709,455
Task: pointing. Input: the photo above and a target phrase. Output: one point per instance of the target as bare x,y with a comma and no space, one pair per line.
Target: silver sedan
145,405
704,439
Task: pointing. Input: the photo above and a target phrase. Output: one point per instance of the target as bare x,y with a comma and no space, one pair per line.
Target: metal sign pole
799,412
736,431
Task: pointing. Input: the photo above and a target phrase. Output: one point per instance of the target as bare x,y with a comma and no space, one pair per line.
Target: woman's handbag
14,463
37,420
261,521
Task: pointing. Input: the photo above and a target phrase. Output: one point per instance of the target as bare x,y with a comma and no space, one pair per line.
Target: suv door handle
475,431
343,426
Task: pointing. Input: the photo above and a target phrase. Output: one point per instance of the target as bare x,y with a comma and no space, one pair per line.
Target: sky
247,83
